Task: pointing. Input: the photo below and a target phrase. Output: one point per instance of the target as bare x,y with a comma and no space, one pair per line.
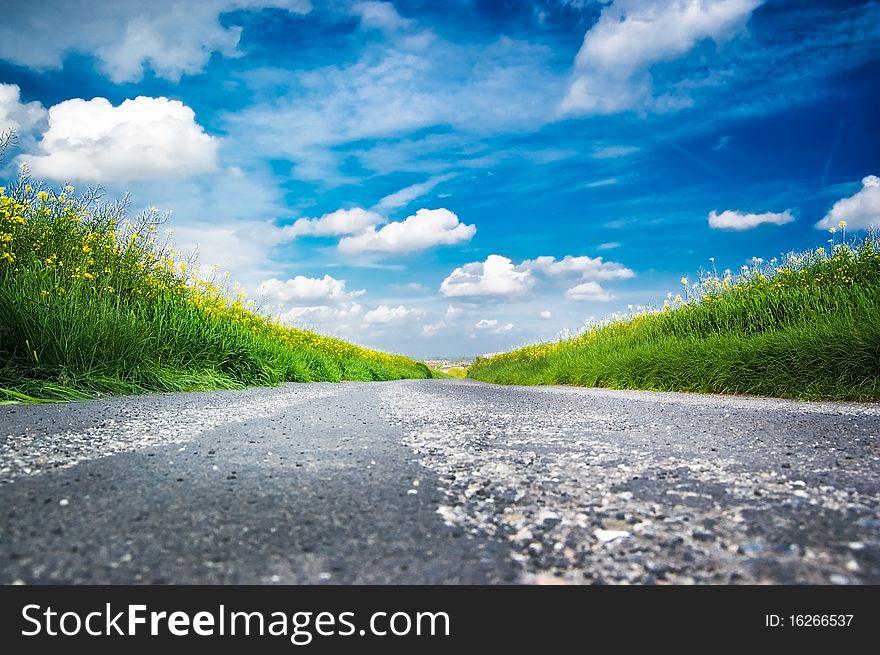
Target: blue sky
460,177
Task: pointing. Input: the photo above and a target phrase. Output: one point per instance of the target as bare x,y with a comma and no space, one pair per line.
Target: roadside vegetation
459,372
806,326
91,303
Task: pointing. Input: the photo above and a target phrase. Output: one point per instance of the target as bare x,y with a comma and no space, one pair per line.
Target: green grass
91,304
459,372
806,328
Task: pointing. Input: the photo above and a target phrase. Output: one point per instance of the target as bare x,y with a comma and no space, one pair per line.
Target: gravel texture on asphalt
439,481
591,485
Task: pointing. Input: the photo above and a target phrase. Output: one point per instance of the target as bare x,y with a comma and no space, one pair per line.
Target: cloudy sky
452,178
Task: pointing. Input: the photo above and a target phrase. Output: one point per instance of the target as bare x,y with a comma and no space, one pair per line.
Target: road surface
439,481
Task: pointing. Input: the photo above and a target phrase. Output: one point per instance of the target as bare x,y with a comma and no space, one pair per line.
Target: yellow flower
842,225
684,281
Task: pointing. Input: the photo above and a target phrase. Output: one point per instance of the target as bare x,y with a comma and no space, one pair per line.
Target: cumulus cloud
497,276
493,325
588,291
860,210
169,37
243,247
303,289
449,318
18,115
453,312
738,221
338,223
383,314
546,314
408,194
425,229
430,329
585,267
141,139
611,71
329,315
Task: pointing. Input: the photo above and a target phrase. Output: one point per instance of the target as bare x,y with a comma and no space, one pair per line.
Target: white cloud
585,267
611,71
608,181
380,15
321,315
430,329
453,312
18,115
383,314
169,37
424,229
609,245
243,247
408,194
613,152
588,291
338,223
860,210
497,276
546,314
390,91
141,139
738,221
722,143
493,326
304,289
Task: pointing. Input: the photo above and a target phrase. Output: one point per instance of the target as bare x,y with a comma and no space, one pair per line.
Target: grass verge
807,328
92,304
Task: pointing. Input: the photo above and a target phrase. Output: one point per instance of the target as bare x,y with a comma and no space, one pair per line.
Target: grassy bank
806,327
90,303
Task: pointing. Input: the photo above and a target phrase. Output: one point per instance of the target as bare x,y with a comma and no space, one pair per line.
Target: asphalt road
437,481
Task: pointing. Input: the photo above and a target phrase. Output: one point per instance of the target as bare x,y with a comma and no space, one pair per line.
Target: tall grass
806,327
90,303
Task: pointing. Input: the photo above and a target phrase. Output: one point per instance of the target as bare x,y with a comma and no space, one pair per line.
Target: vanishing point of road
439,481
